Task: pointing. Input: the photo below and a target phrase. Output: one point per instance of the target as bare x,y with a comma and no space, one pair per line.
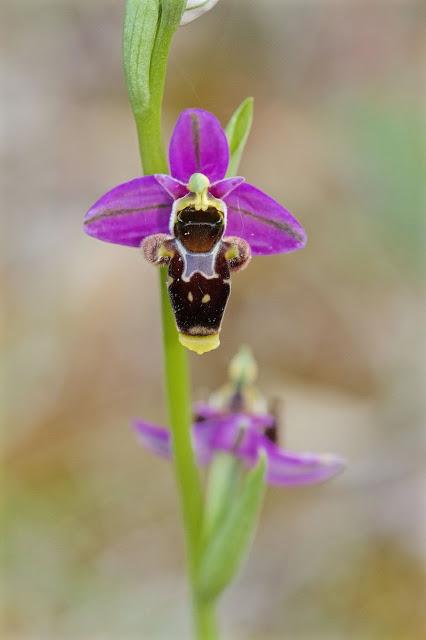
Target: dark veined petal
156,439
289,469
130,212
198,145
223,188
262,222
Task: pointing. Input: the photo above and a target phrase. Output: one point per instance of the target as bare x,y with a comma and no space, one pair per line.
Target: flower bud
195,9
243,367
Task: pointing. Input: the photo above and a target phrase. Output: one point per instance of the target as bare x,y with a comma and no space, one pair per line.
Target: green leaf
149,26
148,29
237,131
226,549
139,31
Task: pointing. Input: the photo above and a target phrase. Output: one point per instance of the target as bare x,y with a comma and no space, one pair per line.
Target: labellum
200,262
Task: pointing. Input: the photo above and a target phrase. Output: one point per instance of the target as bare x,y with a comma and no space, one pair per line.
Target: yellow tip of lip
200,344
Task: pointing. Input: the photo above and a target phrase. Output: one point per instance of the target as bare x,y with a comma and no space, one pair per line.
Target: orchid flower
230,423
245,437
198,223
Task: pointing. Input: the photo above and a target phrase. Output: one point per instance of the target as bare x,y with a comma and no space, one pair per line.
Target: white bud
195,9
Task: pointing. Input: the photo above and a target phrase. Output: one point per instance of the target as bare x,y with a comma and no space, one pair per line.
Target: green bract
140,27
225,550
222,484
148,30
237,131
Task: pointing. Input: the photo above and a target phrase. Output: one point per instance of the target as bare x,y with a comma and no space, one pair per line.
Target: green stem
153,157
178,397
205,621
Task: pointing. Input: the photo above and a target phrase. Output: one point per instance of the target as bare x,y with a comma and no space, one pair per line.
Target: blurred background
91,539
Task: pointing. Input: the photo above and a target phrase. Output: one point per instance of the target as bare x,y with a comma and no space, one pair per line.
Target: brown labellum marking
110,213
282,226
236,402
272,433
199,303
197,230
275,430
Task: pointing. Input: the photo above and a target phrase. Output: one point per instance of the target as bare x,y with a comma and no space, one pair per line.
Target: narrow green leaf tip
140,27
237,132
226,549
147,32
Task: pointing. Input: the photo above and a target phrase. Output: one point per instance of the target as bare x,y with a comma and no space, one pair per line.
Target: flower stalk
148,30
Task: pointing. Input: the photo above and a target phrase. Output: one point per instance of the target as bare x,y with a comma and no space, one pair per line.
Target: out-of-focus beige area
91,538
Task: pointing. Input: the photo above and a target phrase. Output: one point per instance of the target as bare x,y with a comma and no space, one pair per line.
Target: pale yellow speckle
205,298
169,280
190,297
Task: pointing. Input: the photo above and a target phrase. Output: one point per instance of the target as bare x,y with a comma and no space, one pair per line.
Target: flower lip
200,344
190,216
199,231
193,205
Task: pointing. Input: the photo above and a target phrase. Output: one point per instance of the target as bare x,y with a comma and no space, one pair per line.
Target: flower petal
223,188
174,188
263,222
233,433
198,145
204,411
156,439
288,469
130,212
